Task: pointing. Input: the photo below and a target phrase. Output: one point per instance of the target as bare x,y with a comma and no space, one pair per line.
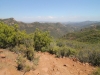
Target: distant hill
97,25
81,25
56,29
84,23
87,35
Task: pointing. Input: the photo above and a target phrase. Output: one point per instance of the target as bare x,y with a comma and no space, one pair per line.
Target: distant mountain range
56,29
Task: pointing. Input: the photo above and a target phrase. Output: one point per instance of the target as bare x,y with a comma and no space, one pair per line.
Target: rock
75,59
1,51
65,65
3,56
64,57
87,64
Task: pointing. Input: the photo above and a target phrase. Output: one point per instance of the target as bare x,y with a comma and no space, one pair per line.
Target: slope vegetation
90,36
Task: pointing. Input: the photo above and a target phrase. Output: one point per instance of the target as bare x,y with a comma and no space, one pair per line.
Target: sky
50,10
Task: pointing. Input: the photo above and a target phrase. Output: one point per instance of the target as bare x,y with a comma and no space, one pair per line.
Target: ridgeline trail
48,65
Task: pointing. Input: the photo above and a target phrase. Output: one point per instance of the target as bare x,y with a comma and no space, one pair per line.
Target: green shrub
94,57
27,68
53,48
30,53
7,34
61,43
41,39
15,49
36,60
83,55
91,56
65,52
19,49
21,62
97,72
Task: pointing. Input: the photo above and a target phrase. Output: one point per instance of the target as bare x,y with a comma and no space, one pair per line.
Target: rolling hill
87,35
56,29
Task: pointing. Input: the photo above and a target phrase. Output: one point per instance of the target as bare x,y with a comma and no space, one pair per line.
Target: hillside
48,65
56,29
86,35
28,54
82,24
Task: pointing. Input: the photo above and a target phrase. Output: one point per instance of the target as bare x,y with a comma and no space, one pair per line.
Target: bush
90,56
94,57
97,72
30,53
15,49
83,55
26,52
53,48
65,52
41,39
21,62
20,49
61,43
7,34
36,60
60,51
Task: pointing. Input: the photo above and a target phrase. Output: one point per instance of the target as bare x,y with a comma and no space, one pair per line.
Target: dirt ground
48,65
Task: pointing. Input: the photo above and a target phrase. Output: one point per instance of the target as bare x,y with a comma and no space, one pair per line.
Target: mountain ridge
56,29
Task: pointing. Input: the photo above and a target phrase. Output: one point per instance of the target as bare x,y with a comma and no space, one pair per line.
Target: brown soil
48,65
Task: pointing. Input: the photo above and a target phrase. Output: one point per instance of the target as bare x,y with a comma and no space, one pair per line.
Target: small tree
41,39
6,35
30,53
21,62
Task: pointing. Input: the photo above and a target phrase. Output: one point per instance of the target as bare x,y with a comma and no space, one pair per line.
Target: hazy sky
50,10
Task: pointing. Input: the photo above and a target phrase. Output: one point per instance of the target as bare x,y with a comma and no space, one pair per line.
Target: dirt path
48,65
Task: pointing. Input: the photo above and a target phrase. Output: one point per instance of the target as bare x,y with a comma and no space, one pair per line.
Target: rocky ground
48,65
